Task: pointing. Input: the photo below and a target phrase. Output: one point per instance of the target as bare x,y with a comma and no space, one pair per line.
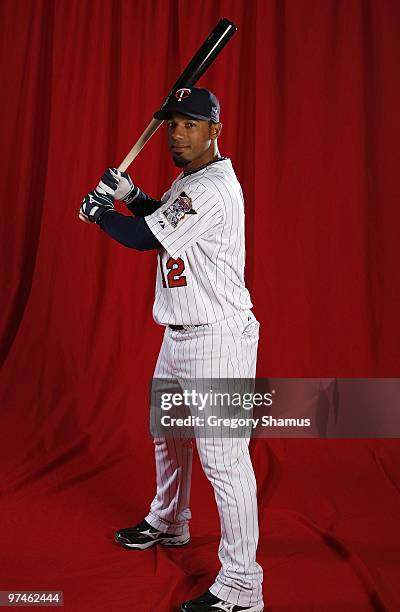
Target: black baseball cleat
143,536
210,603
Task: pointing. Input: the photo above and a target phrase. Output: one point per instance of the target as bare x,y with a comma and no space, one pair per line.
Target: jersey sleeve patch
180,207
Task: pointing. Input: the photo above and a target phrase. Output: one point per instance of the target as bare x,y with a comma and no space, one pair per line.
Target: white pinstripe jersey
200,225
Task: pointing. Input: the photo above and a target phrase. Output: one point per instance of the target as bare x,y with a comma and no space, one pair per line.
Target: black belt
178,327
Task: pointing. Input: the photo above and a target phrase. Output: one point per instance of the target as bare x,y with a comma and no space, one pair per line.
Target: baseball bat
202,59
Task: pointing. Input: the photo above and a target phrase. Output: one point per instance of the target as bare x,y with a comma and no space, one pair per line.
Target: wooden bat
202,59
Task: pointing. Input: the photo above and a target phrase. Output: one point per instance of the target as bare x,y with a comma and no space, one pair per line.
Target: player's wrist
102,212
131,196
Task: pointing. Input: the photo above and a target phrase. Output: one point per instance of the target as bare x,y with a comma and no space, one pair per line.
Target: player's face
191,141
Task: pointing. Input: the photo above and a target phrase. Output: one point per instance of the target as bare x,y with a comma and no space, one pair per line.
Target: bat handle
134,152
138,146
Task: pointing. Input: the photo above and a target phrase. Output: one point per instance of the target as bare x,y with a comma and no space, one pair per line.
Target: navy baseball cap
191,101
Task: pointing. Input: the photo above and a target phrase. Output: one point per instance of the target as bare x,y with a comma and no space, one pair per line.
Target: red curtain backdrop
310,100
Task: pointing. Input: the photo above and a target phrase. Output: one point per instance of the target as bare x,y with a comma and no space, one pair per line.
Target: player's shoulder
217,177
221,168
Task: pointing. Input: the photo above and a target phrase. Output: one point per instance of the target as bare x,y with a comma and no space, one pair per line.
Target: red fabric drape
310,97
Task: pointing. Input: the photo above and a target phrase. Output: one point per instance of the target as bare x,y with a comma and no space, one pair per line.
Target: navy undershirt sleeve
132,232
143,205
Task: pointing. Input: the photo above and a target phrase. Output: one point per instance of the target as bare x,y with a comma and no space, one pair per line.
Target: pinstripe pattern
211,246
224,349
213,297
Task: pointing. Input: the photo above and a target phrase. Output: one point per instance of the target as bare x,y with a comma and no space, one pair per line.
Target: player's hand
95,204
119,185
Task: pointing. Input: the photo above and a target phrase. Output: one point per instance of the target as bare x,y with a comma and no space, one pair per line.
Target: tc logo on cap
183,93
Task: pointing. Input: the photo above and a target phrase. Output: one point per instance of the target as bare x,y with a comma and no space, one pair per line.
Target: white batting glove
119,185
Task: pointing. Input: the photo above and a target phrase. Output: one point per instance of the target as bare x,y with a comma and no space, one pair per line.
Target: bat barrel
204,57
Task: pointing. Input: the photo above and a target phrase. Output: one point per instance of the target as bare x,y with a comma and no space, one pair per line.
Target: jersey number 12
174,277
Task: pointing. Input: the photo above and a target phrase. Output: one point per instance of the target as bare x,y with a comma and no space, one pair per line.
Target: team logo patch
178,209
182,93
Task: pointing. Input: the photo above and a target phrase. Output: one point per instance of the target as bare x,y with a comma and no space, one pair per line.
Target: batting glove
119,185
95,204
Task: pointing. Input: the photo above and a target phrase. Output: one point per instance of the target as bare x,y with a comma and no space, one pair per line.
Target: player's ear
215,130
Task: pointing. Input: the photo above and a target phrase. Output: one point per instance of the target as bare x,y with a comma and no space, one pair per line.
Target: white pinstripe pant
226,349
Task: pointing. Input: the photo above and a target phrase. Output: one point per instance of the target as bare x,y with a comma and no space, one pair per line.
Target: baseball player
197,229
